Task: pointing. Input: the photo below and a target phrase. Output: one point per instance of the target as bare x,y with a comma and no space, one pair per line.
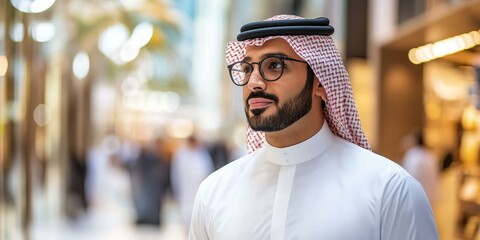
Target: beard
287,114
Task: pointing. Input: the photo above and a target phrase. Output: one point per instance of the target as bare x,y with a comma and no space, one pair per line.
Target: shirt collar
301,152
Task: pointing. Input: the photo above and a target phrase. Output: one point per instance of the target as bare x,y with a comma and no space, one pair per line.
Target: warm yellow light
469,149
412,56
444,47
427,51
468,40
432,110
3,66
475,36
469,118
449,91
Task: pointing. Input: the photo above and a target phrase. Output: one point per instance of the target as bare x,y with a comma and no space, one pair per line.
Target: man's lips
257,103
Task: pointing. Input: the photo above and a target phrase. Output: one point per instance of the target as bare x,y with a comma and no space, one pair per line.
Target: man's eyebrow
281,54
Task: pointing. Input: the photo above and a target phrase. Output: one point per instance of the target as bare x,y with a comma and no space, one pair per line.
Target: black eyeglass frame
282,59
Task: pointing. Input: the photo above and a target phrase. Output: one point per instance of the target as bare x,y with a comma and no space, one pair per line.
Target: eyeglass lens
271,69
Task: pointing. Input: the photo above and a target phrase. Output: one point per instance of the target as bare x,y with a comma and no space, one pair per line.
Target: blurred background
103,103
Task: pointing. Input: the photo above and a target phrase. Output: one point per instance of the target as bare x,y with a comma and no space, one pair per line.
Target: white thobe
323,188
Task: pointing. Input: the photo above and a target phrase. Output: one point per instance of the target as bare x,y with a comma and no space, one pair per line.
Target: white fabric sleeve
198,225
406,212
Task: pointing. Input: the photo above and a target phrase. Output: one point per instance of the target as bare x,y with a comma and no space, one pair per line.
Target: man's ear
319,90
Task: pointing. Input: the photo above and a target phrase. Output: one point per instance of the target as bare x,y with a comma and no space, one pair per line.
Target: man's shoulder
364,154
382,173
369,161
387,171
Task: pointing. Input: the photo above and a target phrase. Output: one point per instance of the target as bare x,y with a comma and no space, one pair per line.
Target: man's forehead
273,46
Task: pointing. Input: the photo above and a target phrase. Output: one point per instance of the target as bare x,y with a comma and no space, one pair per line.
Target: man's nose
256,81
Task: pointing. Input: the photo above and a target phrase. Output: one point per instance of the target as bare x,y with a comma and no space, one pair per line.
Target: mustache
272,97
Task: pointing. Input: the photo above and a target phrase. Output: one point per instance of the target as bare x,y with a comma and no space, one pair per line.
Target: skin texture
282,99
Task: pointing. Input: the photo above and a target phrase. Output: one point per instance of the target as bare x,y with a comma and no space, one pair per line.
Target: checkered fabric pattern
323,57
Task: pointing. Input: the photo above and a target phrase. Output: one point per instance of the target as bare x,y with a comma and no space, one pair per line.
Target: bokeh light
3,65
81,65
32,6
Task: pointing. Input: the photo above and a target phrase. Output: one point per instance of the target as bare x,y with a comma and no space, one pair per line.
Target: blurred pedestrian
311,173
421,163
150,182
219,153
191,164
76,194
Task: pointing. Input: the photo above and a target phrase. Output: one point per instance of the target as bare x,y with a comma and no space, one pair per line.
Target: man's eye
275,65
247,68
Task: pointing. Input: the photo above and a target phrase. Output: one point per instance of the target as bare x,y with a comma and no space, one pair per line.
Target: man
314,176
191,164
421,163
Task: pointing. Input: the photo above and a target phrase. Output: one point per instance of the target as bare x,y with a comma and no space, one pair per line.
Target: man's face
273,106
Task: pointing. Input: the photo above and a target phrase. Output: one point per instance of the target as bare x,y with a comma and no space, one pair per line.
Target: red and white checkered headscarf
323,57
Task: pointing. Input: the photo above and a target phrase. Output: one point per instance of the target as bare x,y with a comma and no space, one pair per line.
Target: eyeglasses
271,69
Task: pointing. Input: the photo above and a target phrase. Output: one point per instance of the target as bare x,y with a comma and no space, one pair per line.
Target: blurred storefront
433,93
426,56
